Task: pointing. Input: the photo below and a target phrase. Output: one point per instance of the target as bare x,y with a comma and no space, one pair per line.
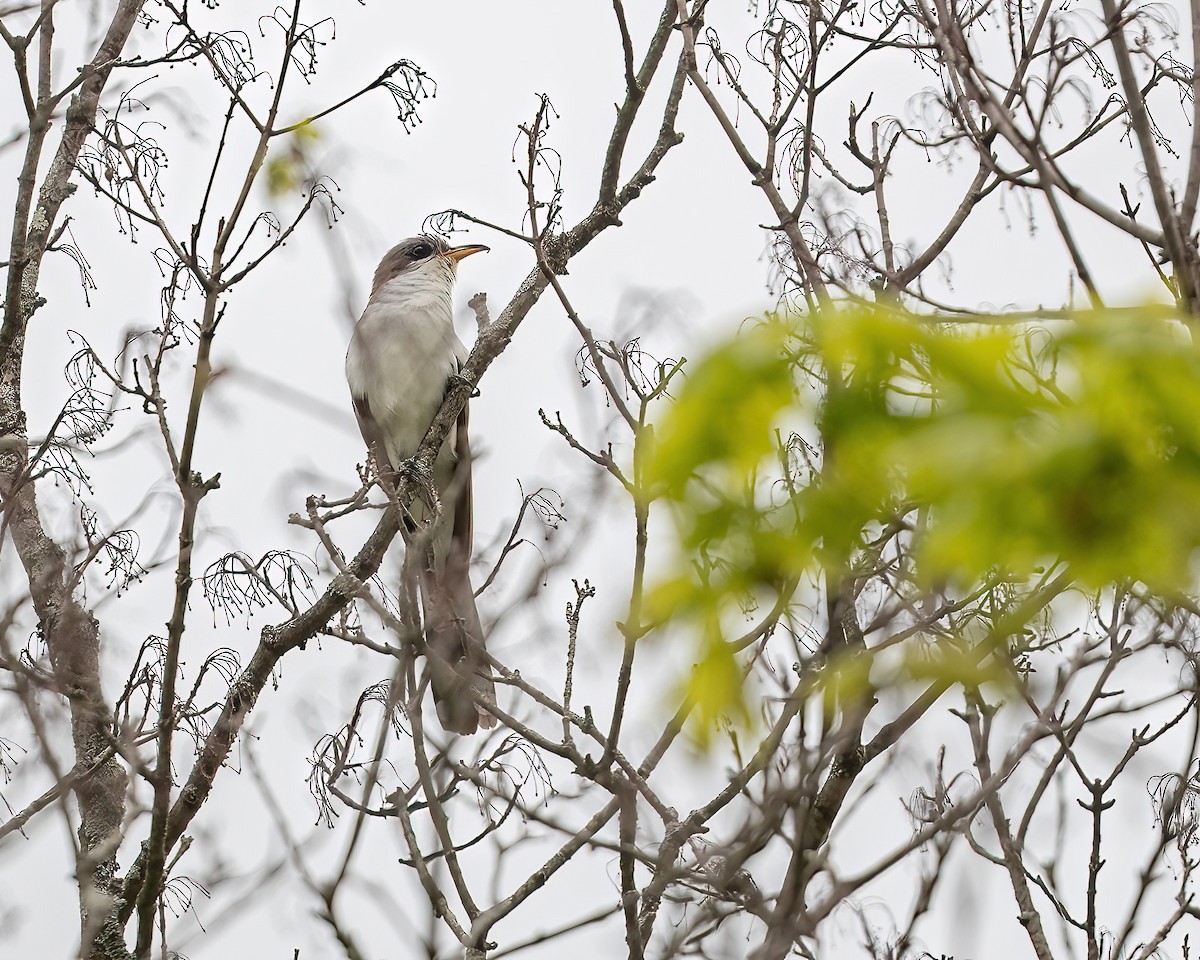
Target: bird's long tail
459,672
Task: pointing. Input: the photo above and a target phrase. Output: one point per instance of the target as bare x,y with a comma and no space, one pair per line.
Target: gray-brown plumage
403,351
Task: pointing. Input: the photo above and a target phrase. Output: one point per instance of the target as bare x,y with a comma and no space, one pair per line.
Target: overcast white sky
686,267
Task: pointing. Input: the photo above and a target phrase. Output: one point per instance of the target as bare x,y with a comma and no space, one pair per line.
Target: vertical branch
71,633
1191,191
574,611
789,222
28,247
629,891
1068,239
1096,808
437,814
193,488
879,170
979,723
635,92
632,630
1175,239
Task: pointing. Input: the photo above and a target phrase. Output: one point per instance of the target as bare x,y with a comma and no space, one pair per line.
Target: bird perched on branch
403,353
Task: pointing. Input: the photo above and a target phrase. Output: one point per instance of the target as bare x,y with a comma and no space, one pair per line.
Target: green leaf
999,449
715,689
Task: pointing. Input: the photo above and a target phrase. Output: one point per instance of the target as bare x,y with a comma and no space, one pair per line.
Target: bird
402,354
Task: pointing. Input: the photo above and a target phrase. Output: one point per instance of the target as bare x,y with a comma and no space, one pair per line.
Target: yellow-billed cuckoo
403,352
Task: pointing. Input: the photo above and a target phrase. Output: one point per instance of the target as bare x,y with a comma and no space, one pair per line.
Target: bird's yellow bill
457,253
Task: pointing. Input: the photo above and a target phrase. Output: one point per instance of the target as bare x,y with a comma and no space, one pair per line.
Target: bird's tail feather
459,672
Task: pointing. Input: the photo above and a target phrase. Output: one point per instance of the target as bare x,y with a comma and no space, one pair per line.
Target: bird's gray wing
372,433
462,534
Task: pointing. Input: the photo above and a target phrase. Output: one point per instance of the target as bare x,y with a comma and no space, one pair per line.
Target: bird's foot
417,474
459,378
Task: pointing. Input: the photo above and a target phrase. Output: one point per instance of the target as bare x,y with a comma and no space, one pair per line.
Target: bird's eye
421,251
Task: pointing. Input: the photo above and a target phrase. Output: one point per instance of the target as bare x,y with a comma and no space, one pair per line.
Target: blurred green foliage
288,168
996,448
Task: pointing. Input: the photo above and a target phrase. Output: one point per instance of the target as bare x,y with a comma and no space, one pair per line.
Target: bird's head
425,255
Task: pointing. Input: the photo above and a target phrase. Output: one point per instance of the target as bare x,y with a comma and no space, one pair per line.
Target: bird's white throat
427,286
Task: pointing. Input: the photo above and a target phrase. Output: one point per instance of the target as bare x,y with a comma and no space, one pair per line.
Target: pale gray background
687,267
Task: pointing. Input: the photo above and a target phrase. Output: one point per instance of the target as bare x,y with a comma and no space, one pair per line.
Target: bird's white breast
402,353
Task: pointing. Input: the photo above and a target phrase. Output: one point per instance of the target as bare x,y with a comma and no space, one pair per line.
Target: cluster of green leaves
289,167
997,448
